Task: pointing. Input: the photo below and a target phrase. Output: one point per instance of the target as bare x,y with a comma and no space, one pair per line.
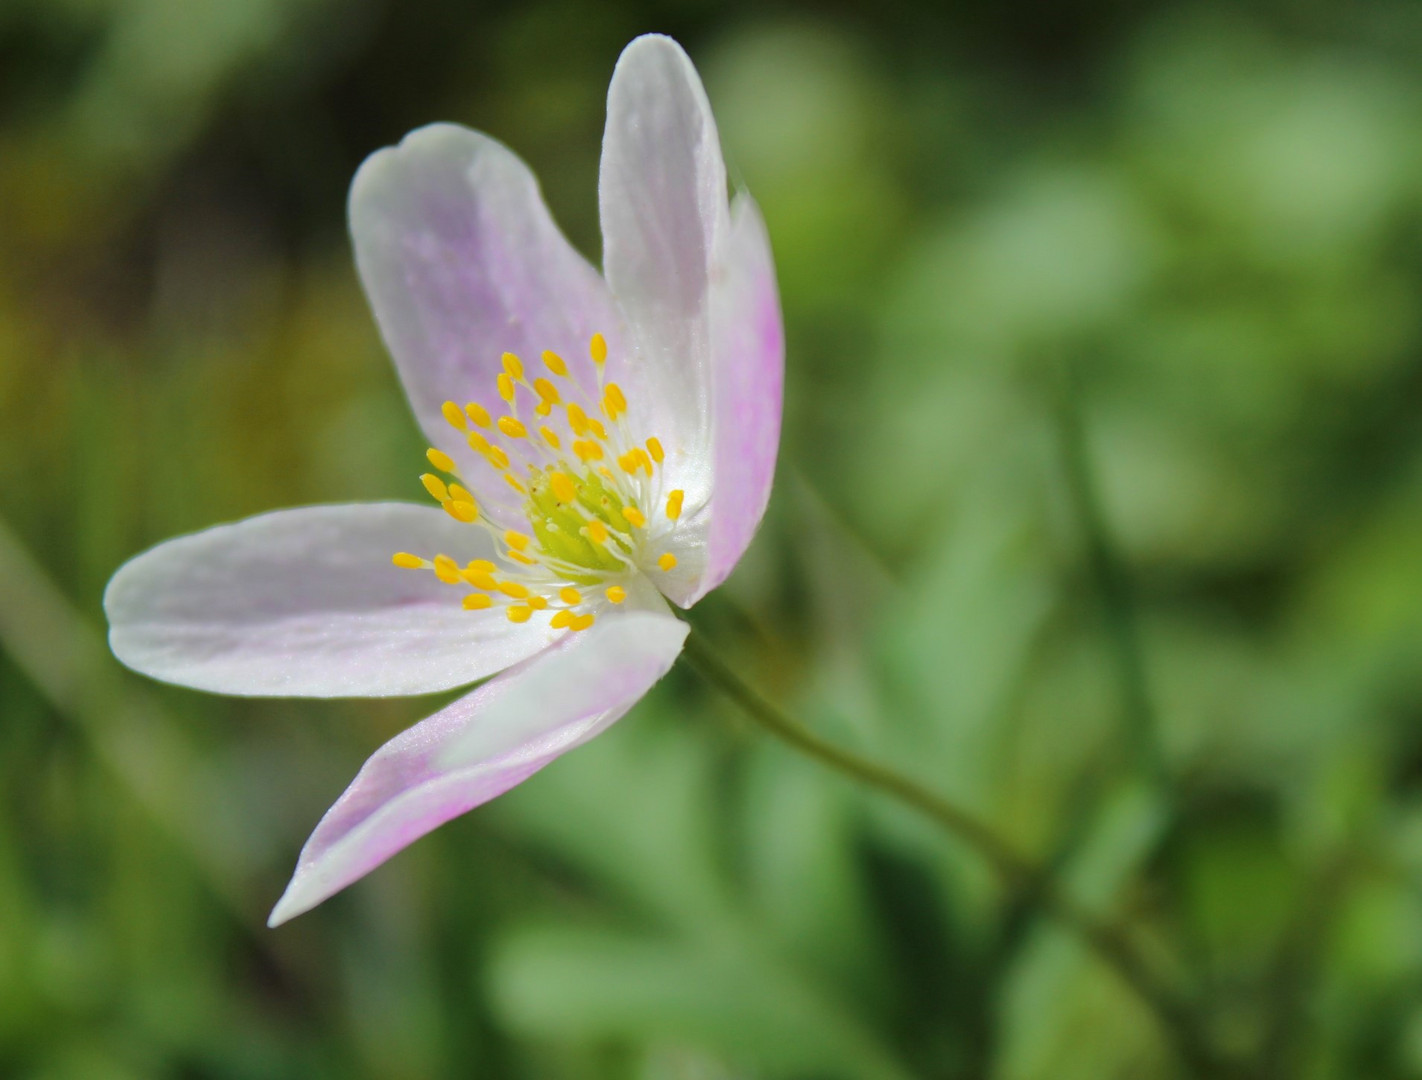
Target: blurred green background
1099,510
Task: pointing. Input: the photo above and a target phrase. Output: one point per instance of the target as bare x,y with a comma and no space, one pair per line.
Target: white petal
481,746
462,262
307,602
663,200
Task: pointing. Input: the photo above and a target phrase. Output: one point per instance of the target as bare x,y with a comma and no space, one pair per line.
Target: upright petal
481,746
748,381
307,602
462,262
662,194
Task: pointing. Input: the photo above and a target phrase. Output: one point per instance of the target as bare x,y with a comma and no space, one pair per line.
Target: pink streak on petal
749,371
480,746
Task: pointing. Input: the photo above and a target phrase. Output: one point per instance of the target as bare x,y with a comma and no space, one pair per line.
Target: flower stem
1107,940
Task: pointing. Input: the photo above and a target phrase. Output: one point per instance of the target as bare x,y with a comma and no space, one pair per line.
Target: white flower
600,442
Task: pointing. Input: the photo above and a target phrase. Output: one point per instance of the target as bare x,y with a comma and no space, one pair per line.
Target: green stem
1107,940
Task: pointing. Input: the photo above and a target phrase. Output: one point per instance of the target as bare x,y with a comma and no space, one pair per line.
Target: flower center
592,496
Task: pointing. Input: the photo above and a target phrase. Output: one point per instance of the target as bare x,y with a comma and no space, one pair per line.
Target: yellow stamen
667,561
563,489
440,460
613,401
454,415
477,601
635,516
446,569
595,426
519,612
617,594
497,458
561,619
461,511
581,622
587,450
516,540
459,493
479,566
642,459
543,409
570,595
506,387
514,589
406,561
674,503
597,532
654,447
478,414
551,437
512,428
537,603
435,486
514,483
555,363
480,580
597,349
577,419
629,462
513,366
546,390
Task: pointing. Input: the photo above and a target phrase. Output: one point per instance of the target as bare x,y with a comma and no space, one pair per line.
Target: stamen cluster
588,524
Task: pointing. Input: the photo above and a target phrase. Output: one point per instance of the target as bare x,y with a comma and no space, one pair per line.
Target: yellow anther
516,540
480,579
606,472
554,363
546,390
616,593
446,569
587,450
479,566
632,514
563,489
514,589
477,601
667,561
478,414
515,483
577,419
406,561
629,462
654,447
459,493
435,486
537,603
551,437
582,622
561,619
597,349
597,531
440,460
497,458
674,503
543,409
613,401
466,512
506,387
512,428
454,415
570,595
513,366
595,426
642,459
527,560
479,443
519,612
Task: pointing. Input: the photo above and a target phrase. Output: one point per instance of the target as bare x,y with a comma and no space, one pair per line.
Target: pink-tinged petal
482,745
663,199
306,602
748,372
462,262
